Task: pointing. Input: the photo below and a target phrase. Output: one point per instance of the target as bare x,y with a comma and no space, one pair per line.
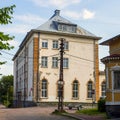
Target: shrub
101,105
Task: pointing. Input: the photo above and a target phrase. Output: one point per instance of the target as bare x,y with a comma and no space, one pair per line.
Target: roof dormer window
67,27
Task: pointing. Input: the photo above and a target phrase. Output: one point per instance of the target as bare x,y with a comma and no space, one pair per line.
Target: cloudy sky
100,17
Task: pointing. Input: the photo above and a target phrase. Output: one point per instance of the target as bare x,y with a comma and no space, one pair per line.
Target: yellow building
36,64
112,70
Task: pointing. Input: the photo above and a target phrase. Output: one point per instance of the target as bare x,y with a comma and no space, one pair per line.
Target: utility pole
61,82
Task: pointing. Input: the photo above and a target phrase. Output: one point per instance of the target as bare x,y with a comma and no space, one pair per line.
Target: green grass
91,111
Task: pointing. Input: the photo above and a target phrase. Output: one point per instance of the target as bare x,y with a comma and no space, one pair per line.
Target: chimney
57,12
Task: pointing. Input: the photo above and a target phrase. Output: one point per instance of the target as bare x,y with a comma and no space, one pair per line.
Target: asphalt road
32,113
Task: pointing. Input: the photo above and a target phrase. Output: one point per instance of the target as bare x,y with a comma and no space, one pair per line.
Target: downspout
38,75
94,87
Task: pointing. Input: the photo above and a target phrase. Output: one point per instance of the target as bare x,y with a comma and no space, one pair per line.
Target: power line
80,58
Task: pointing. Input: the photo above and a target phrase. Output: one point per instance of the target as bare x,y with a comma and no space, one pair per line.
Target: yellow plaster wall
114,47
117,97
108,96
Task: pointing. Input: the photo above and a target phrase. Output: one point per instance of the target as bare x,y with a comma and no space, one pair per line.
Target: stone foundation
113,111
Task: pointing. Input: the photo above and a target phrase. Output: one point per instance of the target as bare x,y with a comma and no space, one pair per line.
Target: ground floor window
117,80
103,89
44,88
89,89
75,89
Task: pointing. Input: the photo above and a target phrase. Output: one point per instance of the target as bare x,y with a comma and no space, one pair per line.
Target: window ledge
43,97
75,98
88,98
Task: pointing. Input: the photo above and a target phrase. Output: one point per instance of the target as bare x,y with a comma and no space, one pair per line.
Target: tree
5,18
6,90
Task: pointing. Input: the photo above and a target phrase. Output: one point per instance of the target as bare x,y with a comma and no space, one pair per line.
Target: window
66,46
75,89
103,89
89,89
117,80
54,62
65,62
44,44
55,44
44,61
44,88
67,27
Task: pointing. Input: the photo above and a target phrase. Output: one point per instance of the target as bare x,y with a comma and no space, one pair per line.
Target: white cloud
19,29
85,14
14,43
8,67
72,14
24,24
88,14
29,18
55,3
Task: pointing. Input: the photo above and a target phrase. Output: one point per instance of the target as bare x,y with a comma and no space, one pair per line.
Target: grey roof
111,40
51,25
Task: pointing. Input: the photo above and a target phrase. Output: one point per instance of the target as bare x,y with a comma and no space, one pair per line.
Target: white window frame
103,89
89,89
66,45
55,44
65,62
44,61
115,69
44,43
44,93
55,62
75,89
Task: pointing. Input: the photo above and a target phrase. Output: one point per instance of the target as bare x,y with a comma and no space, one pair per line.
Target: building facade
112,71
36,64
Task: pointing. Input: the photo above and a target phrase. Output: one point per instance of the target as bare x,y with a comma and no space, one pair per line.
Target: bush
101,105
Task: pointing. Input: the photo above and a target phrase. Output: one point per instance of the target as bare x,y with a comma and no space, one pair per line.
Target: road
32,113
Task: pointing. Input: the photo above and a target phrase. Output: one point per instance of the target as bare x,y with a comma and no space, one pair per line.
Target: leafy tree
5,18
6,90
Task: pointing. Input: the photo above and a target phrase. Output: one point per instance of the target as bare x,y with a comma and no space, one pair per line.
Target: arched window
44,88
103,89
89,89
75,89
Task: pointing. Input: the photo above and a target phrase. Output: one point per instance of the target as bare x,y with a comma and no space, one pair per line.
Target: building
36,64
112,71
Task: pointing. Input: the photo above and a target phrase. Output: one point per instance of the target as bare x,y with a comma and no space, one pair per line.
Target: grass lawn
91,111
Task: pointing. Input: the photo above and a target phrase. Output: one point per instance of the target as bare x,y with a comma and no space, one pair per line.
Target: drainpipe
38,75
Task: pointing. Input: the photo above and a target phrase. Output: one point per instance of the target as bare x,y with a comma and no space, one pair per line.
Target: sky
100,17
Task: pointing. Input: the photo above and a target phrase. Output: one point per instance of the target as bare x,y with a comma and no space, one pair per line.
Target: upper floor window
75,89
44,61
89,89
44,44
55,44
66,45
65,62
103,89
67,27
44,88
55,62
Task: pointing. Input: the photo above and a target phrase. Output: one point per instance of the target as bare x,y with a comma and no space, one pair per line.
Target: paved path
33,113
